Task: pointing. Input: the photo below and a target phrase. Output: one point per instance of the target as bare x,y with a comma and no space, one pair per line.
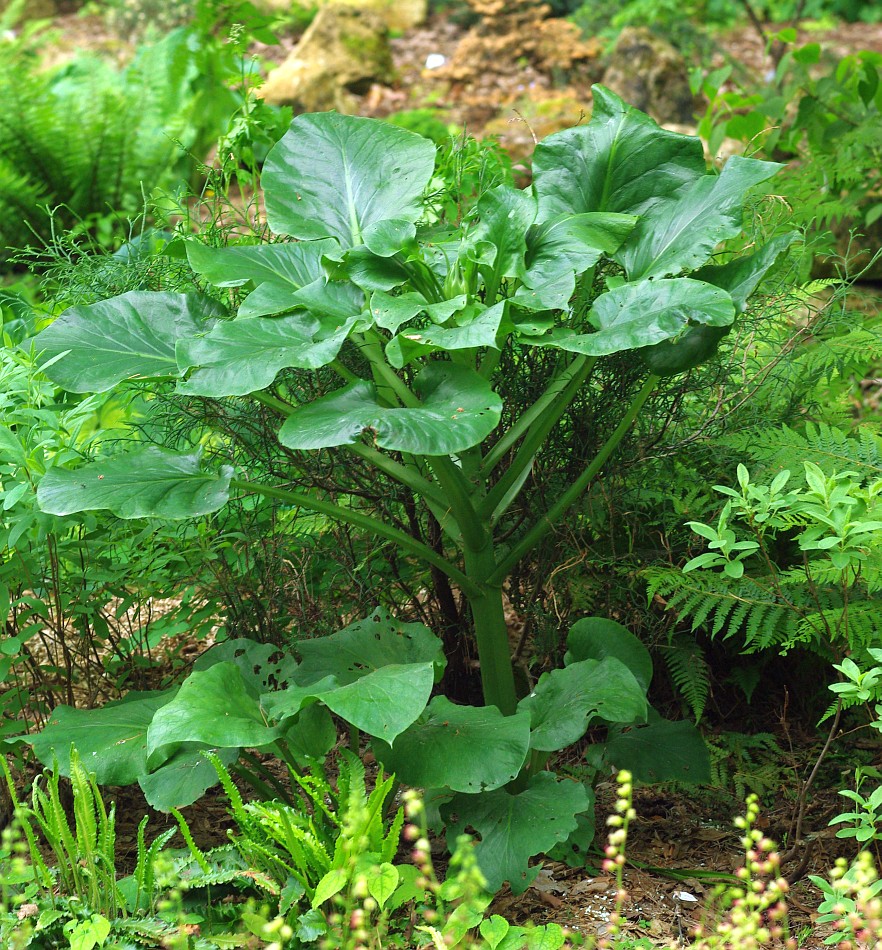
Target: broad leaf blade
680,233
337,175
466,748
481,330
661,751
459,410
565,701
595,638
184,778
126,337
148,483
291,265
621,161
513,828
111,741
504,215
243,356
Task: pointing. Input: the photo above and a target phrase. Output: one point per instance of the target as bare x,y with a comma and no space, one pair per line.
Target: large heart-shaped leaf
595,638
567,245
184,778
336,175
111,741
95,347
514,827
504,215
621,161
466,748
661,751
263,666
385,701
243,356
680,233
643,313
214,707
565,701
148,483
367,645
459,410
480,330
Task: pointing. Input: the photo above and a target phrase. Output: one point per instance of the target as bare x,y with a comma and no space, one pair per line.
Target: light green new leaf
643,313
184,778
111,741
367,645
466,748
147,483
565,701
595,638
514,827
337,175
459,410
620,161
567,245
390,312
680,233
215,707
243,356
128,337
385,701
387,238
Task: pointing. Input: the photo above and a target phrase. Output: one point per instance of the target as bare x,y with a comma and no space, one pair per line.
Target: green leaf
661,751
147,483
311,734
365,646
741,276
242,356
681,232
565,246
332,883
111,741
503,216
466,748
337,175
214,707
621,162
382,879
642,313
262,665
493,929
392,312
385,701
477,331
184,778
459,410
368,270
126,337
564,701
387,238
288,266
514,827
595,638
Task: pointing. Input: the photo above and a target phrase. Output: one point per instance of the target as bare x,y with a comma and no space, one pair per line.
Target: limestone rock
340,55
398,15
651,75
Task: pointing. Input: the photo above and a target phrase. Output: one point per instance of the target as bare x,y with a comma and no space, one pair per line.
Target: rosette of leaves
413,321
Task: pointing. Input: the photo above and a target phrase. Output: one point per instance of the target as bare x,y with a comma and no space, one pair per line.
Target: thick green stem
404,474
542,527
404,541
491,632
458,497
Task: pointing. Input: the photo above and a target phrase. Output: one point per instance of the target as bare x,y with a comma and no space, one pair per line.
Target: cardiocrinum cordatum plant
606,252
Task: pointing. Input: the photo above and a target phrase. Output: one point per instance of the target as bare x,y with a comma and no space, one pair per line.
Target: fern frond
688,670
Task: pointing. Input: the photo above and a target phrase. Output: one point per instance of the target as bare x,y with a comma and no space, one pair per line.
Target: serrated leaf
126,337
466,748
148,483
337,175
459,410
515,827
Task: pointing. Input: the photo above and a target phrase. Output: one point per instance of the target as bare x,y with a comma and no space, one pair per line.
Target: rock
398,15
533,118
342,53
651,75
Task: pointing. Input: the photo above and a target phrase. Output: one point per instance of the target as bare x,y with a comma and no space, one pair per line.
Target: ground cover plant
609,251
